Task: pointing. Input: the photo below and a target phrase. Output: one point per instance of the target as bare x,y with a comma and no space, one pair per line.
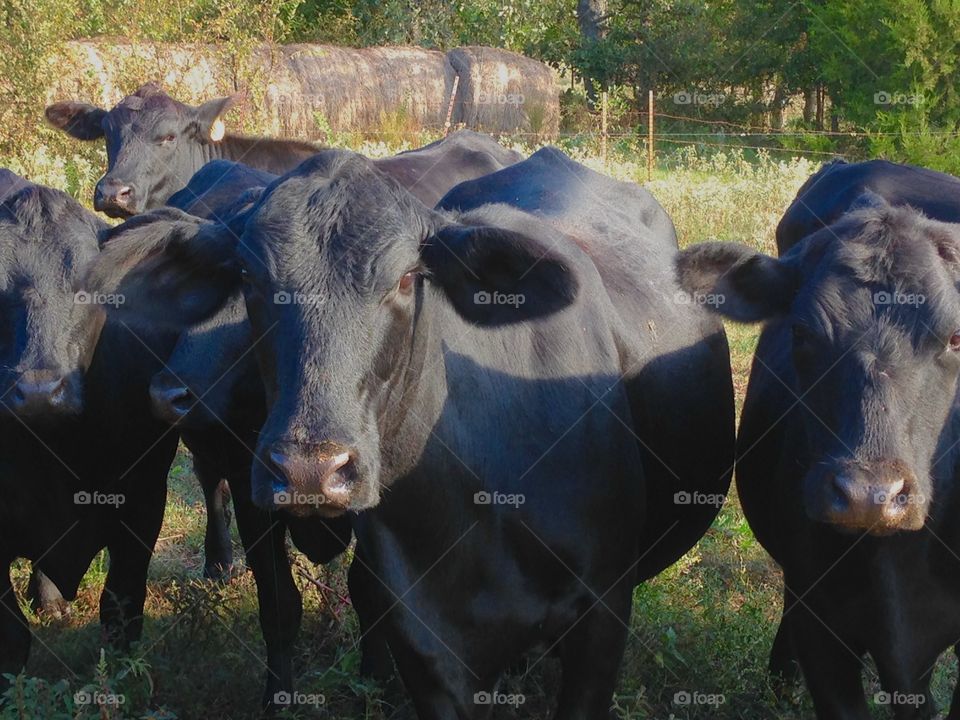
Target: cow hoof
218,572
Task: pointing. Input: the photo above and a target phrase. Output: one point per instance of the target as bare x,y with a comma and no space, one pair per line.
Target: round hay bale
502,92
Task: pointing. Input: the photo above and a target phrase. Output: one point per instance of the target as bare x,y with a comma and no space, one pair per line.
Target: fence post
603,127
453,96
650,136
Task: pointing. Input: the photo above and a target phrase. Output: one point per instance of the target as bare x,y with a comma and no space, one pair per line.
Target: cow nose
114,198
317,479
870,503
40,393
171,401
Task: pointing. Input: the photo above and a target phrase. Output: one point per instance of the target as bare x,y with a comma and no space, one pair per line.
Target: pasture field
700,632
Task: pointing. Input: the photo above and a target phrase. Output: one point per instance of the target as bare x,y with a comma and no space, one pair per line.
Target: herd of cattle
501,378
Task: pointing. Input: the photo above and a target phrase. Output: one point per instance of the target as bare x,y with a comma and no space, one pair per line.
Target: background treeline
855,77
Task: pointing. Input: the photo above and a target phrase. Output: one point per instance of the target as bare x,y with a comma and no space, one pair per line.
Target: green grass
703,626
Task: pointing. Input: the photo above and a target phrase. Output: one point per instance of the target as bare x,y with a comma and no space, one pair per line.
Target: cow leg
590,657
900,676
264,538
783,667
832,671
217,545
14,632
131,547
376,662
45,597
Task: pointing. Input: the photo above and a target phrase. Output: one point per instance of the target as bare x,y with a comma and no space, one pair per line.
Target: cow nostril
840,486
124,193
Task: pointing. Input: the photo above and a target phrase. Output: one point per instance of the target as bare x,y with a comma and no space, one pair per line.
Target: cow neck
270,154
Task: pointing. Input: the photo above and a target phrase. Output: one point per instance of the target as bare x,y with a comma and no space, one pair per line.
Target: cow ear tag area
217,130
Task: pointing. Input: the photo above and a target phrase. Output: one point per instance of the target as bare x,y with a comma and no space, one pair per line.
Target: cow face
870,312
211,377
339,266
47,331
154,145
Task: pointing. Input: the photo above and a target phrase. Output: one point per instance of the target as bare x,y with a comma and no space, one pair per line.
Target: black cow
491,384
848,438
829,193
83,463
155,144
211,389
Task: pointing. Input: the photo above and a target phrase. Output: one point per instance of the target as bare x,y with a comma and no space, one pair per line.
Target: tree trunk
779,102
809,105
590,16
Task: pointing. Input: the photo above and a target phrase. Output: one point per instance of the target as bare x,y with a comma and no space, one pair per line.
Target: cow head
48,332
211,377
868,313
154,145
341,270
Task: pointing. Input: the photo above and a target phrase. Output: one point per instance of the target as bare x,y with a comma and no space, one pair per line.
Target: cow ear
209,120
79,120
497,277
165,268
736,281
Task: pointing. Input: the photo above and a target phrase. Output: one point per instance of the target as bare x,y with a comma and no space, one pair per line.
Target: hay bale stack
301,90
355,89
502,91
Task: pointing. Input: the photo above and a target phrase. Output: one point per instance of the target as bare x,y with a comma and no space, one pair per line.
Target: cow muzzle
44,394
116,199
313,479
879,499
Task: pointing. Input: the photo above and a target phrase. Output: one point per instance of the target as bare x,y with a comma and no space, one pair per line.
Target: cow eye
954,342
167,139
407,281
801,336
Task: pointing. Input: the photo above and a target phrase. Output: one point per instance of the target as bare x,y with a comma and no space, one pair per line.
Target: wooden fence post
453,97
650,136
603,127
